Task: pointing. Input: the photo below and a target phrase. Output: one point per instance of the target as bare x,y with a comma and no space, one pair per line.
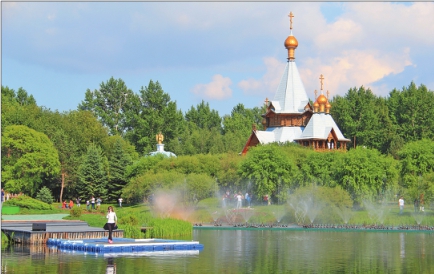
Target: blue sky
224,53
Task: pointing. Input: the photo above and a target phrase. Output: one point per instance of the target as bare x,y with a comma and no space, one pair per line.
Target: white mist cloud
268,83
352,68
217,89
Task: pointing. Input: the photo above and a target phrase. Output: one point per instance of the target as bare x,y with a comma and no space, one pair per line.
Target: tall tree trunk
61,188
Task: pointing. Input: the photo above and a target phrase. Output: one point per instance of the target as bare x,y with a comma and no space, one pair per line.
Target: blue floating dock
125,246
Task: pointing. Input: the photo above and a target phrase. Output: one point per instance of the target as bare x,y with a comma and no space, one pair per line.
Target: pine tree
92,174
119,161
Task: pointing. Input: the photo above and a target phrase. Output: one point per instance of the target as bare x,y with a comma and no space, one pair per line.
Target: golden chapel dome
322,99
315,104
291,42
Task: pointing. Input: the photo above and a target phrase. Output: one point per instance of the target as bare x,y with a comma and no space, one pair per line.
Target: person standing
71,204
239,200
112,219
401,205
248,199
87,204
77,201
92,202
120,201
98,203
3,195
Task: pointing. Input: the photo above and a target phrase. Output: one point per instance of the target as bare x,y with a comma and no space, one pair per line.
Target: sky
224,53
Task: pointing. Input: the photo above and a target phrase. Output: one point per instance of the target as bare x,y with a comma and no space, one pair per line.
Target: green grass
269,214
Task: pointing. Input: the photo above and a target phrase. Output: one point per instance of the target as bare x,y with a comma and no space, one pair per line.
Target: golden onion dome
291,42
322,99
315,104
328,105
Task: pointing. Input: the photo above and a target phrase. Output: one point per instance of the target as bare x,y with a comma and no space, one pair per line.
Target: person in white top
112,220
120,201
401,205
239,200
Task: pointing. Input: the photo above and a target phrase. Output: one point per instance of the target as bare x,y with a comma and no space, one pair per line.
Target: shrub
24,201
131,231
76,211
45,195
129,220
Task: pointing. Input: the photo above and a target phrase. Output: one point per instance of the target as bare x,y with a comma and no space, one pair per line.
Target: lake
250,251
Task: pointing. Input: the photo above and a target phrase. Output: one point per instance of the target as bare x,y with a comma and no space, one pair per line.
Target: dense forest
102,148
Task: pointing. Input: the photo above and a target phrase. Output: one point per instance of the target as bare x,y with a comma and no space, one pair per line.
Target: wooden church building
290,117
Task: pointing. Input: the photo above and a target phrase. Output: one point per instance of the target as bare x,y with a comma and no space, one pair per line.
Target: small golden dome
291,42
328,105
322,99
264,122
316,104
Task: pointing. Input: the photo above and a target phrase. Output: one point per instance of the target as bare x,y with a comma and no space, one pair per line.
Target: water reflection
111,266
254,251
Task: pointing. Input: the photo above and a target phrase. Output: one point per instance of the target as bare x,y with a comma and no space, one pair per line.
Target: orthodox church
290,117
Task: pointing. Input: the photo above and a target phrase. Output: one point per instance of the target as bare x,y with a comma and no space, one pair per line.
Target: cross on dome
290,19
321,78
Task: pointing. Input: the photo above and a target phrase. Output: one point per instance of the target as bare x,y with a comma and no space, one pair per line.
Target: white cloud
268,83
352,68
341,32
217,89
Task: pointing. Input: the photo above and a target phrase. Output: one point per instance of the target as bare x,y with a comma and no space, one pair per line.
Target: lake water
251,251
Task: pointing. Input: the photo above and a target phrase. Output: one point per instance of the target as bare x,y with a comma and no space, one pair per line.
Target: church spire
291,43
322,103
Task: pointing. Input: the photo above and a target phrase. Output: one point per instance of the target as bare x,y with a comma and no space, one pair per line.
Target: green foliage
191,188
143,165
28,159
417,165
24,201
269,169
131,231
93,174
364,118
168,228
365,172
44,195
203,117
118,163
153,112
129,220
111,103
325,202
411,110
76,211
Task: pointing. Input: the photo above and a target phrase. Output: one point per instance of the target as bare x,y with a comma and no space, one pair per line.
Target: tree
110,103
119,162
45,196
364,118
29,160
417,164
365,173
93,174
153,113
237,127
411,110
203,117
269,169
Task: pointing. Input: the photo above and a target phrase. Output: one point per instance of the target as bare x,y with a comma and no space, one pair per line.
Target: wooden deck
21,231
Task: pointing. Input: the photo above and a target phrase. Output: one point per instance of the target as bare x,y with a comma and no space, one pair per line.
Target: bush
131,231
44,195
129,220
24,201
76,211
